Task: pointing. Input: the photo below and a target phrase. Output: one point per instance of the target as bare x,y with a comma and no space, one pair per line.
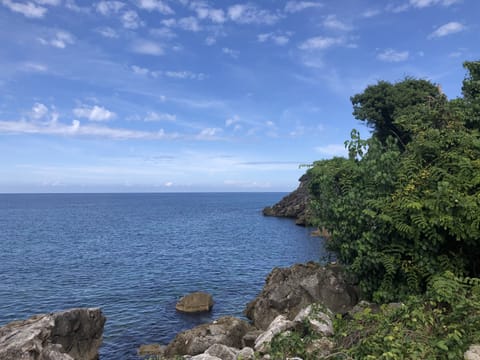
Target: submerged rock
74,334
195,302
289,290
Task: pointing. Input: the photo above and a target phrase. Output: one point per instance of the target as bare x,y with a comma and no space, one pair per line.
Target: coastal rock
246,353
278,325
320,319
195,302
222,351
74,334
227,330
294,205
289,290
473,353
249,338
320,348
151,349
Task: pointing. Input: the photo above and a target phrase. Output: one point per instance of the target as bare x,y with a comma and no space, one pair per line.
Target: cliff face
294,205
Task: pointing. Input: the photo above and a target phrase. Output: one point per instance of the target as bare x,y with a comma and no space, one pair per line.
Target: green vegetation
403,212
405,205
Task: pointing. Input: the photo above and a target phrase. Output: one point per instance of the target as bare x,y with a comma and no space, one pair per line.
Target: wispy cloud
230,52
447,29
94,113
332,22
109,7
34,67
296,6
156,5
390,55
209,134
320,43
28,9
147,47
426,3
59,40
107,32
277,38
153,116
250,14
131,20
204,12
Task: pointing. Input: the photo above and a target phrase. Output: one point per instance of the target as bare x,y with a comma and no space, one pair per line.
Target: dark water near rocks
134,255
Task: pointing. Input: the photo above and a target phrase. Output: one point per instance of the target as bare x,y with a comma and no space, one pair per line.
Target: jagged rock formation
294,205
74,334
289,290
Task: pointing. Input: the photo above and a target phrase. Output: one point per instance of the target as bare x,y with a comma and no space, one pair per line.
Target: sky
193,95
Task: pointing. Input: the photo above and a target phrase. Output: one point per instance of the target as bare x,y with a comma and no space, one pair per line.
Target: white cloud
185,75
210,40
320,43
95,113
109,7
60,40
189,23
204,11
28,9
296,6
131,20
447,29
153,116
39,110
157,5
371,13
147,47
230,52
331,22
107,32
208,133
232,121
163,32
49,2
332,150
140,70
390,55
250,14
279,39
72,5
35,67
426,3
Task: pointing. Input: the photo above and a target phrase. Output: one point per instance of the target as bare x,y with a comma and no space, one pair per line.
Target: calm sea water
134,255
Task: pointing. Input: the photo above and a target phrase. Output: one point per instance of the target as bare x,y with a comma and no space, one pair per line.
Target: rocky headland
294,205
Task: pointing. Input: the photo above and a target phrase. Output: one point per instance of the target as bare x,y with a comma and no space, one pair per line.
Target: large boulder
294,205
195,302
289,290
227,331
74,334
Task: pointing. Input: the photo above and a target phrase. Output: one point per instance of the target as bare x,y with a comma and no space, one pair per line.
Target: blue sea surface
135,255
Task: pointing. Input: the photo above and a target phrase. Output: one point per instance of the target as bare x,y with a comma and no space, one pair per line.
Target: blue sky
185,95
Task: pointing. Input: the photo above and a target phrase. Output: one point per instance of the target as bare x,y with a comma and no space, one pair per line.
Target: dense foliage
405,206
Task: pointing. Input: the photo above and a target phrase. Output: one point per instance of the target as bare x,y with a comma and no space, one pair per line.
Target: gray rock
74,334
195,302
473,353
227,330
246,353
222,351
289,290
204,357
294,205
249,338
320,319
278,325
151,349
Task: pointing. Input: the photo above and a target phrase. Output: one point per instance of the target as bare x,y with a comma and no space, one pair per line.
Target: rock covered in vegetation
195,302
294,205
74,334
277,326
288,290
227,331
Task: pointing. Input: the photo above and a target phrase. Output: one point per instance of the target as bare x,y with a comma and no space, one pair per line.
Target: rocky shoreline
301,295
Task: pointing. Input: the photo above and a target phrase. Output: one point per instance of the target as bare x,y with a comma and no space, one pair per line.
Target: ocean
135,255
